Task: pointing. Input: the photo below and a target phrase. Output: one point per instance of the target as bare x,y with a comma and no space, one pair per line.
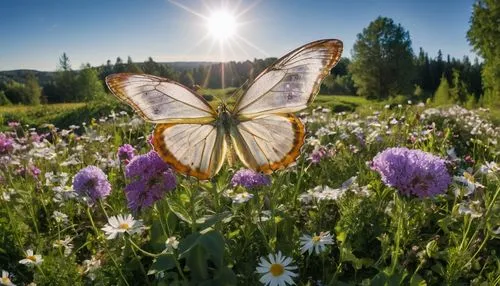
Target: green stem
105,246
395,252
142,250
139,260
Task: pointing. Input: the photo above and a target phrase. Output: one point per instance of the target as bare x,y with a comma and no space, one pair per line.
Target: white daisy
472,208
60,217
277,270
316,243
467,181
31,259
66,243
121,224
241,198
5,280
171,243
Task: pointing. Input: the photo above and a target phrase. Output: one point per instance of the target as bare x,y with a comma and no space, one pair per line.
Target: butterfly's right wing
268,142
291,83
160,100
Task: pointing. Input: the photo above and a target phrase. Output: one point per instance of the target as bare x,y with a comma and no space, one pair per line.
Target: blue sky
34,33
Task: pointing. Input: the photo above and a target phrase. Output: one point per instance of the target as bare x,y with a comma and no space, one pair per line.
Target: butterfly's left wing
186,136
291,83
197,150
160,100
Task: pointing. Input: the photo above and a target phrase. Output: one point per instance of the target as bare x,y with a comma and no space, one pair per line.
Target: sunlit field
331,219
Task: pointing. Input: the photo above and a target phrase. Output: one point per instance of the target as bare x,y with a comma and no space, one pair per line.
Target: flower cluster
92,182
126,153
151,179
412,172
249,179
6,144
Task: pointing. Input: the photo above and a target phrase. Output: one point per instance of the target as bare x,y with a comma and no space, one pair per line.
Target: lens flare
222,25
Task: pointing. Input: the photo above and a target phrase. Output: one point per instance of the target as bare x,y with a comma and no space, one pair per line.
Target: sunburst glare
222,24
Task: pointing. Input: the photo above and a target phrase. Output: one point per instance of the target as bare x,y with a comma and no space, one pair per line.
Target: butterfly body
261,128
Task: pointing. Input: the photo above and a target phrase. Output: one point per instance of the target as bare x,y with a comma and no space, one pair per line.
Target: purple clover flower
249,179
6,144
14,124
31,170
126,153
318,154
412,172
151,178
92,182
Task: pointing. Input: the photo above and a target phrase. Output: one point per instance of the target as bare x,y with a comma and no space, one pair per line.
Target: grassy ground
64,114
61,114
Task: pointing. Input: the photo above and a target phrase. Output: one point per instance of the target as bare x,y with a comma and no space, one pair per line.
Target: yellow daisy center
316,239
32,258
124,226
277,270
5,280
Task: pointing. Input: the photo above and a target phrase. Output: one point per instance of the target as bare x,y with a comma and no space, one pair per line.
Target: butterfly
261,128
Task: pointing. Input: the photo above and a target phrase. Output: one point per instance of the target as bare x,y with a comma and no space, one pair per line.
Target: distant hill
45,77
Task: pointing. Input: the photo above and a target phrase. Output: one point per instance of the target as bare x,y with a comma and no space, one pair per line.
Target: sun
221,25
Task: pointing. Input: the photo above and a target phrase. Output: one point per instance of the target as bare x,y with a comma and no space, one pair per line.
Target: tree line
383,65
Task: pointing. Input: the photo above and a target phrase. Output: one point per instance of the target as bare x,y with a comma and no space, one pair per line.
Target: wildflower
489,168
468,181
92,182
31,259
31,170
241,198
316,243
412,172
277,271
171,243
5,280
90,266
151,178
317,154
249,179
6,144
14,124
472,208
60,217
122,224
126,153
64,243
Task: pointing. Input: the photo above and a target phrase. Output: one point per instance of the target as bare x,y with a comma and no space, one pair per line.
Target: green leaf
180,211
163,262
417,280
197,263
187,243
379,280
438,268
213,242
225,277
208,221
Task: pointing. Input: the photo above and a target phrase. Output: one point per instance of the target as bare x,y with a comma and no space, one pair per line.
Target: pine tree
382,63
442,95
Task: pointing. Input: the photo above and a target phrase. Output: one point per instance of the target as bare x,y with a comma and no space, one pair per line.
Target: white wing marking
160,100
